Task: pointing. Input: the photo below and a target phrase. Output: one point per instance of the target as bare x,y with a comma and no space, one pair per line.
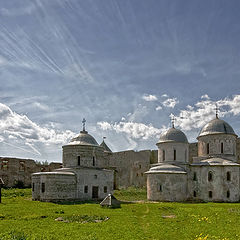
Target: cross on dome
173,119
84,124
217,110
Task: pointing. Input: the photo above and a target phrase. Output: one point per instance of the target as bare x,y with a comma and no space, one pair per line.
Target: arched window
228,194
78,160
228,176
210,176
207,148
222,147
163,155
194,176
210,194
174,154
194,193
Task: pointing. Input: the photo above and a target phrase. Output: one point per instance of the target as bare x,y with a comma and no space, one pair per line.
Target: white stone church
212,176
87,172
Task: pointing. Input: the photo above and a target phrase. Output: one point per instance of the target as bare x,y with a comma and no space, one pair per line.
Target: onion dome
167,168
105,146
84,139
216,126
173,135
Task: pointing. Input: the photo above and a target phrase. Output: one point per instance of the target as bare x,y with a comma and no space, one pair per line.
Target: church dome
84,139
216,126
173,135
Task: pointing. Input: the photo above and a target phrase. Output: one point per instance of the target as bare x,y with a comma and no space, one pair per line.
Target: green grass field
21,218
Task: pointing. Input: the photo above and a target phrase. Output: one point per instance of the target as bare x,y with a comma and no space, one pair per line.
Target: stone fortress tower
83,175
211,176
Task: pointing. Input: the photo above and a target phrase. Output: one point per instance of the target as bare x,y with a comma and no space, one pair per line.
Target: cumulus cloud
205,96
170,102
149,98
133,129
20,128
195,117
158,108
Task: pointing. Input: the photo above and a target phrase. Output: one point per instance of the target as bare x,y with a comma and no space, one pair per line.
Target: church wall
88,178
181,149
219,185
214,141
56,187
86,153
167,187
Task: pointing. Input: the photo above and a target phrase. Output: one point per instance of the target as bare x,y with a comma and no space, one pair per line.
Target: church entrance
94,192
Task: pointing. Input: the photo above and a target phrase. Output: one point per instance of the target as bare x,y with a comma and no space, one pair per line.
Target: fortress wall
15,171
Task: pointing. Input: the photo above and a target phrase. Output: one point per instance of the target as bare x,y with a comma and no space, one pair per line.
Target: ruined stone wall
130,166
17,172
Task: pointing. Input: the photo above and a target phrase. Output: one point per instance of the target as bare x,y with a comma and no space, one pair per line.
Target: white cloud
158,108
149,98
20,128
133,129
164,95
204,111
170,102
205,96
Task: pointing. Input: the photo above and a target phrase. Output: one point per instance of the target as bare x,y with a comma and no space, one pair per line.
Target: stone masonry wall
17,172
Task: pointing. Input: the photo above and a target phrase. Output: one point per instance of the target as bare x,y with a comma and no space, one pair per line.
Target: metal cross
173,119
217,110
84,123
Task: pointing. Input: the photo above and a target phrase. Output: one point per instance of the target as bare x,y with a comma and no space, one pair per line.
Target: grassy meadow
21,218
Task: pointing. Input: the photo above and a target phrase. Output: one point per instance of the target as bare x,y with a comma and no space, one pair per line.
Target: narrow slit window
105,189
43,187
33,187
174,154
228,176
210,176
163,155
194,193
194,176
79,160
207,148
222,147
210,194
160,188
228,194
85,189
93,161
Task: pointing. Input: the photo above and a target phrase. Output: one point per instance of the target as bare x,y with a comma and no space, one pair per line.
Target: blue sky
123,65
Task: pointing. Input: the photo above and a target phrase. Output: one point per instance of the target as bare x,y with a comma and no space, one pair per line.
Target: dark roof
105,146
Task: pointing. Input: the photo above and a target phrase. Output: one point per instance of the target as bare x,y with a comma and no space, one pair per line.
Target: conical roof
105,146
216,126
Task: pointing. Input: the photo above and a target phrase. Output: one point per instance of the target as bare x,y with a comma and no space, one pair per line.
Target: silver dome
216,126
173,135
84,139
